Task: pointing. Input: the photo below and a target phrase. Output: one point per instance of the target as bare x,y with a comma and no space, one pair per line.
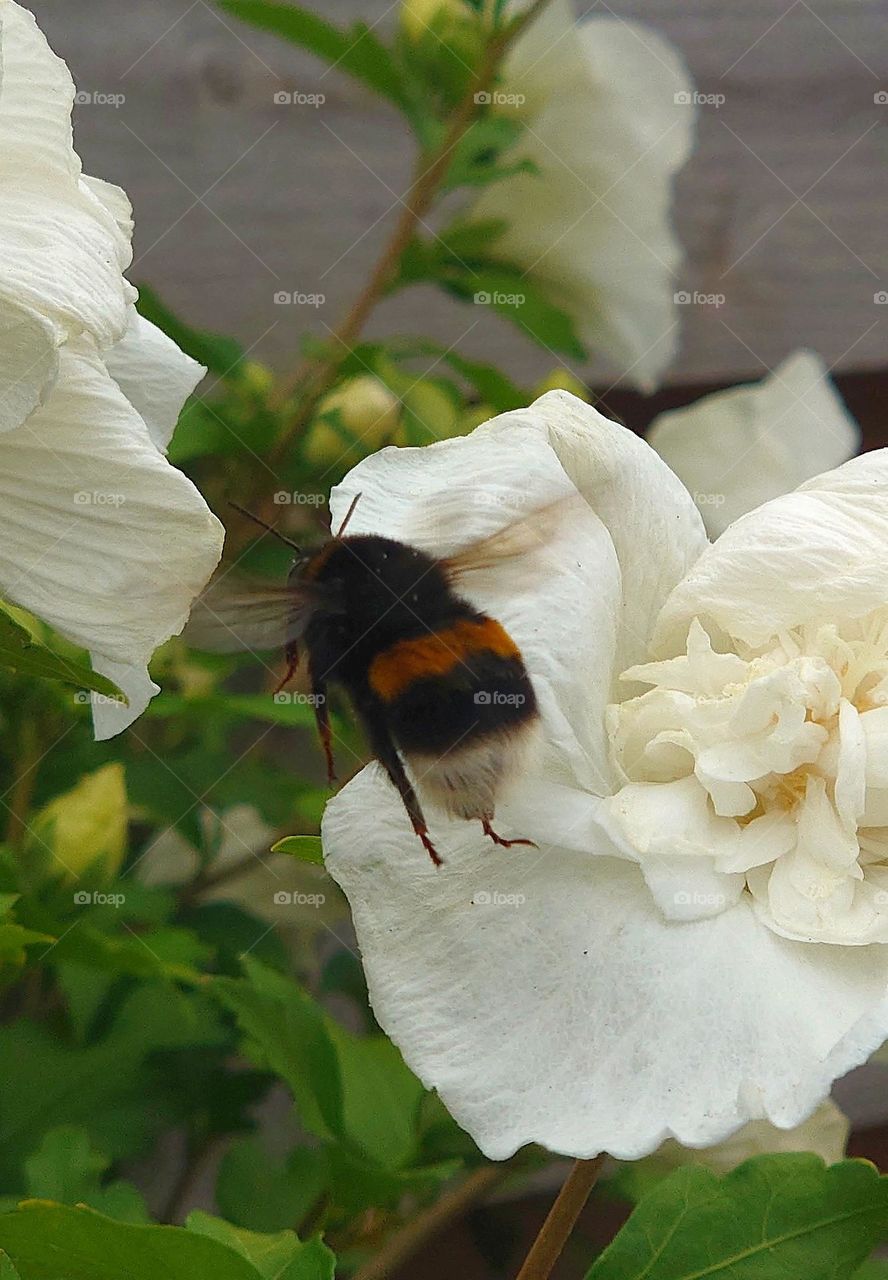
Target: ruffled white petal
154,375
546,998
817,554
607,137
738,448
99,535
62,250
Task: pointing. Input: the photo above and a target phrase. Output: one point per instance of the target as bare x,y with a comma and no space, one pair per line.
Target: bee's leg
322,720
291,654
387,754
505,844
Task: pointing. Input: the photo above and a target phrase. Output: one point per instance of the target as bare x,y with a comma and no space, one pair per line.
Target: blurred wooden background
782,207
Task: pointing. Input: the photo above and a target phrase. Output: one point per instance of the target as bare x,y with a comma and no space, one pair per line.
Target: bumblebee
438,686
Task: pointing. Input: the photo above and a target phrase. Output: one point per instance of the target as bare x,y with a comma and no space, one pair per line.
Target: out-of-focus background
781,206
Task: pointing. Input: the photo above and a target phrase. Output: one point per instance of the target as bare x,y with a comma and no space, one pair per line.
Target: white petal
738,448
99,535
565,1010
154,375
818,553
62,250
110,716
607,138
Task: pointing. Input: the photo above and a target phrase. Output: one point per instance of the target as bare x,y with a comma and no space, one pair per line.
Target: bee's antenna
269,528
348,515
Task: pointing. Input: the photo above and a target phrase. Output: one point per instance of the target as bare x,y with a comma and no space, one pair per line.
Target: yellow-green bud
369,415
86,825
561,379
417,16
437,417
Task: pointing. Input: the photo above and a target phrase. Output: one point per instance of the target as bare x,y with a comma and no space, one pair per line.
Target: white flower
735,449
695,944
99,535
609,122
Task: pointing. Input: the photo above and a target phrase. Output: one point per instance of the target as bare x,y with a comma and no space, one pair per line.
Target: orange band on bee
436,654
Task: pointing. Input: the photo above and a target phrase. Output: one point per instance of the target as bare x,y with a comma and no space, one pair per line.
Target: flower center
771,765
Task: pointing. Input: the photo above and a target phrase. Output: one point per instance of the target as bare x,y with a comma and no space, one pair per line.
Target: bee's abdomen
462,682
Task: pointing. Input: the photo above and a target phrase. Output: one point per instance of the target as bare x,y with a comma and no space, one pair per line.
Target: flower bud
561,379
436,417
417,15
369,415
86,825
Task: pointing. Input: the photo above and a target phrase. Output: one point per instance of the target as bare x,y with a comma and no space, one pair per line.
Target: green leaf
356,51
875,1269
254,1191
281,1256
772,1217
52,1242
478,158
66,1168
286,1032
20,652
518,299
305,848
7,1270
221,355
381,1097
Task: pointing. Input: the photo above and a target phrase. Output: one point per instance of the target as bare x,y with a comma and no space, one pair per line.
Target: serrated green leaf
356,51
772,1217
47,1241
305,848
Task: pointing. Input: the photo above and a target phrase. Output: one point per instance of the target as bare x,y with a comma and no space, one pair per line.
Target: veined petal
816,554
739,448
99,535
547,999
62,249
154,375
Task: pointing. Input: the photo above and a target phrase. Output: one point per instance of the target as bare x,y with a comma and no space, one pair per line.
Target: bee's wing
234,613
523,536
